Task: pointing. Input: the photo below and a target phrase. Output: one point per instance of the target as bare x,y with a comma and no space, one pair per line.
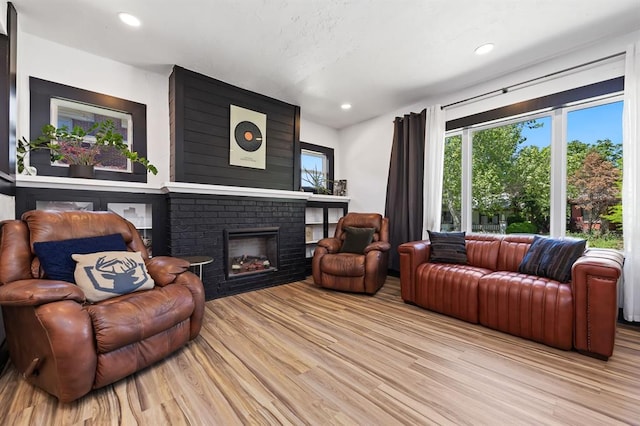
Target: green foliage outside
521,228
513,181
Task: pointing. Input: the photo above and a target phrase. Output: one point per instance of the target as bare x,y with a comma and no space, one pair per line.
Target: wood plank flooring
297,354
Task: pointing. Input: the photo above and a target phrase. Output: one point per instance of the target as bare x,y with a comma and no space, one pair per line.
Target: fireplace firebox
250,251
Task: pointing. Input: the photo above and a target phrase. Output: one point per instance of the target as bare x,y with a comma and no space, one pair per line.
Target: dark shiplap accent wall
199,117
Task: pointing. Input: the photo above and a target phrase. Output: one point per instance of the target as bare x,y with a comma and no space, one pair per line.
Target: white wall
43,59
7,207
318,134
366,147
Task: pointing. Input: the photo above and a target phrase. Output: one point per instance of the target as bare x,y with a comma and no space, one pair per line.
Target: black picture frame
41,93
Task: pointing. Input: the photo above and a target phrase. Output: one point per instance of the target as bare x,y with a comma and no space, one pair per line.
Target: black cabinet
147,212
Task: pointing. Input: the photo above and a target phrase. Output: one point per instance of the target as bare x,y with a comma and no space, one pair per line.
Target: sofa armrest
594,279
412,254
165,269
35,292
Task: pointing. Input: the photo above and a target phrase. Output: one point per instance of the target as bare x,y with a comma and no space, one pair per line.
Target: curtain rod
506,89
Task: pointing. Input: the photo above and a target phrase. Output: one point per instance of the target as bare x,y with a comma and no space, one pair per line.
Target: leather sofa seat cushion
450,289
539,309
133,317
343,264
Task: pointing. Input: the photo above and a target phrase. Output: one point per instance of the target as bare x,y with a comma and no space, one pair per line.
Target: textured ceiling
378,55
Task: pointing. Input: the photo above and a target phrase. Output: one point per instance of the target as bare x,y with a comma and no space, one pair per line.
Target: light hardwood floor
297,354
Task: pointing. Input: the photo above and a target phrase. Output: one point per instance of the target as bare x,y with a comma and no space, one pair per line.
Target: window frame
558,178
57,103
328,153
41,93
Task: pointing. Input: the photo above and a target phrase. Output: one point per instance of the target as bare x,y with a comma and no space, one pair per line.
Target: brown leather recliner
359,273
63,344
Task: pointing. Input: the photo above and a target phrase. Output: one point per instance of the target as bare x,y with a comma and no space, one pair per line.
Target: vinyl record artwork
248,138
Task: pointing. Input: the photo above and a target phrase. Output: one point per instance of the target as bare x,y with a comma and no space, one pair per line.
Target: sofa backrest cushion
512,251
482,250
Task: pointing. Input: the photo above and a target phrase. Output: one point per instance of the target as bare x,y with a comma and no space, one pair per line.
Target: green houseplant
72,147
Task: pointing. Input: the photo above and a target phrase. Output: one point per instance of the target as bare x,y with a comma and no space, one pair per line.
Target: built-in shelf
321,218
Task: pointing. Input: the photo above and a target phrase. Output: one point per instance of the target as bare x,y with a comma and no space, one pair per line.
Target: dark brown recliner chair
66,346
359,273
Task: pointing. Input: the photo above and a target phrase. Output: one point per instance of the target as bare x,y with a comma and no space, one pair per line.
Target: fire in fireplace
250,251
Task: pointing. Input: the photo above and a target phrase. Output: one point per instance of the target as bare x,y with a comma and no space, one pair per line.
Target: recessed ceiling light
485,48
129,19
345,106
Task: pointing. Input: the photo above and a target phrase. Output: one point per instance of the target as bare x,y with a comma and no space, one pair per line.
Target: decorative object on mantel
86,171
316,180
340,187
76,147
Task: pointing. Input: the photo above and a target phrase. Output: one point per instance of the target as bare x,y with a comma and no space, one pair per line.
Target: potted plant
72,147
316,180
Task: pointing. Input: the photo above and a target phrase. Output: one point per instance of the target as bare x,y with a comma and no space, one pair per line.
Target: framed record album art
248,138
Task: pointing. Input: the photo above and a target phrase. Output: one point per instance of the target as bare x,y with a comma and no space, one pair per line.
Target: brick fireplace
251,251
198,223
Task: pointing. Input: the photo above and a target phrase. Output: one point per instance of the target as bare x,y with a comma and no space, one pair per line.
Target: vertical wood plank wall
200,134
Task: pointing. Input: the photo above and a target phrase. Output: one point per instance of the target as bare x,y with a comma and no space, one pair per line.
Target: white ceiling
378,55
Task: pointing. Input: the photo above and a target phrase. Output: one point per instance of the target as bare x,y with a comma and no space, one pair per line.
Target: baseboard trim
621,319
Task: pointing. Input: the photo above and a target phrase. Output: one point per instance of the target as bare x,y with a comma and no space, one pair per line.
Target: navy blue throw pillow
448,247
55,256
552,258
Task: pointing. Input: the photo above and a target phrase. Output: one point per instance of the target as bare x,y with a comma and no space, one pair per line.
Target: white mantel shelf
241,191
52,182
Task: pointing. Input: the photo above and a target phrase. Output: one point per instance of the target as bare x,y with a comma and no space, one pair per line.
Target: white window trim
558,201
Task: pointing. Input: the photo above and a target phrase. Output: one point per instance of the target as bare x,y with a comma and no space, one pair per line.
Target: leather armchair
67,346
359,273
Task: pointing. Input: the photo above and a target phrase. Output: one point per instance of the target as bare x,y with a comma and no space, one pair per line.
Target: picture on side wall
248,138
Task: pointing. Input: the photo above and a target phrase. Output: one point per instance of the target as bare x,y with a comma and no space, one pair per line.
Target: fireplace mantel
169,187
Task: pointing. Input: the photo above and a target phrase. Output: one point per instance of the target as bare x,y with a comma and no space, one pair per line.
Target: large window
556,172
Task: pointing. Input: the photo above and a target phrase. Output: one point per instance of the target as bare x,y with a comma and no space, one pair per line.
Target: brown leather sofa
358,273
63,344
489,290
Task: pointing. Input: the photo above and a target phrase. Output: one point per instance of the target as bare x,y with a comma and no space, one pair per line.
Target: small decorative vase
81,171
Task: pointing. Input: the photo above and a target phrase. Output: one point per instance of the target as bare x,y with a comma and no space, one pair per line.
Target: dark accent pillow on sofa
55,256
356,239
448,247
552,258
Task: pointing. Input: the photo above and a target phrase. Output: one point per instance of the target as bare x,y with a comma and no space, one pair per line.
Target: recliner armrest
165,269
35,292
331,244
377,245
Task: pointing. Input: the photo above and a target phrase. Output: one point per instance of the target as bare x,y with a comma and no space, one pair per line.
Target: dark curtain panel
405,185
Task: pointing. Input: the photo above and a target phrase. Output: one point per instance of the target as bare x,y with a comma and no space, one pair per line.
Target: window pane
314,169
451,184
72,114
511,178
594,174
